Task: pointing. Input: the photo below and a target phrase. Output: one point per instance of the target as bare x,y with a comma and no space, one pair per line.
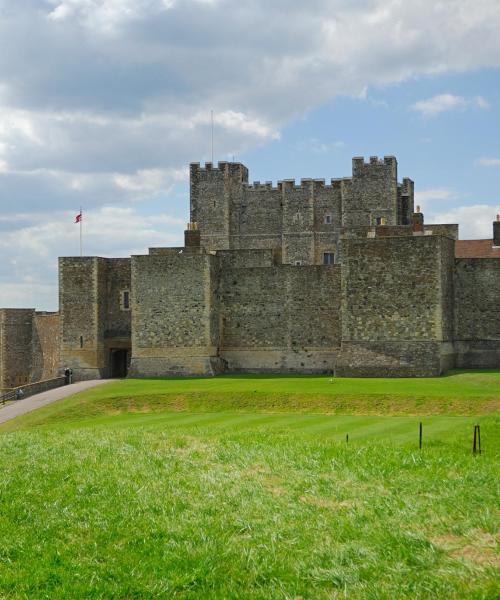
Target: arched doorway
119,363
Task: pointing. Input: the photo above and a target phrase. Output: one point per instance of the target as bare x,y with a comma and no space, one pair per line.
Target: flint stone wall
16,335
45,347
280,318
477,312
92,318
175,310
397,296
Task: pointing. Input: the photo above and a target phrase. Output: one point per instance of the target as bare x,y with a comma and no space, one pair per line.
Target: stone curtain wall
280,318
445,331
16,334
477,312
394,294
175,314
29,346
197,314
45,346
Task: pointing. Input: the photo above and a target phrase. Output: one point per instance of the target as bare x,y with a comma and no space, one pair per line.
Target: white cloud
149,182
316,146
446,102
488,162
475,221
105,15
435,194
428,197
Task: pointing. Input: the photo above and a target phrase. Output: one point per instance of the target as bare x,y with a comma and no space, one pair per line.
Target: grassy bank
127,491
458,394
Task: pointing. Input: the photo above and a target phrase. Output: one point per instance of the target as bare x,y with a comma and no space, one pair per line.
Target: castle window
328,219
298,263
379,221
328,258
125,300
81,341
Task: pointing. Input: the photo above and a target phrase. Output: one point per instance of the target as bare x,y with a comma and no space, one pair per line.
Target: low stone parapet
30,389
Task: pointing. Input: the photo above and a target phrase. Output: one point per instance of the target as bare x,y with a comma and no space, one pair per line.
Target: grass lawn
245,487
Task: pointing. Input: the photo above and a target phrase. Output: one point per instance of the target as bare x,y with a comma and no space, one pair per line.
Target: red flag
78,218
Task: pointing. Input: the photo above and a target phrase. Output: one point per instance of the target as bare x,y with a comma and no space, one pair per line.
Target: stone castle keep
304,278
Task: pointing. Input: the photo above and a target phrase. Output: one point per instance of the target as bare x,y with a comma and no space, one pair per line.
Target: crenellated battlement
222,165
374,161
306,183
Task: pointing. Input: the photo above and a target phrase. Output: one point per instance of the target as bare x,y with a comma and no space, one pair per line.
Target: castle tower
214,191
374,193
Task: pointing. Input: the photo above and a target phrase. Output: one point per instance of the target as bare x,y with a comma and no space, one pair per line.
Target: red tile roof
476,249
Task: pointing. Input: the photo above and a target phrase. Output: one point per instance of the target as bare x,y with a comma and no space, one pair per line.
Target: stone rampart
477,312
16,335
45,346
396,306
175,310
280,318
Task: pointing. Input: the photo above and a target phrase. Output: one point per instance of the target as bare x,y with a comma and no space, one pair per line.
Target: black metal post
420,437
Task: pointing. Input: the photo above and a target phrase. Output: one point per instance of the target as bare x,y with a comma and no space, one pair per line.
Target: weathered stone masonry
304,278
29,346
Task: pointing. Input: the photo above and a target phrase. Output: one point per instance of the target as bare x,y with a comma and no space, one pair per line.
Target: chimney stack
192,236
496,231
418,221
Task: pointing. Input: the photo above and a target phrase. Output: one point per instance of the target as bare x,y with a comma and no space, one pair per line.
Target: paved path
20,407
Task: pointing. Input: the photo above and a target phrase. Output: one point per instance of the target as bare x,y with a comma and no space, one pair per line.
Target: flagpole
212,127
81,233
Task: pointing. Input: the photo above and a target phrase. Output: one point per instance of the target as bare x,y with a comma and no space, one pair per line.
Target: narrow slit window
81,341
126,300
328,258
328,219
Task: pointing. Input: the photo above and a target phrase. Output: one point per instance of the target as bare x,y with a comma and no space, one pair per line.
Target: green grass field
245,487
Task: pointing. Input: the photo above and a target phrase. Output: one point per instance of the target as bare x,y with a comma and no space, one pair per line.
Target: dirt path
20,407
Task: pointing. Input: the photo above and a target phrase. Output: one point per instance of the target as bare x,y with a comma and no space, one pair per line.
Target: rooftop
476,249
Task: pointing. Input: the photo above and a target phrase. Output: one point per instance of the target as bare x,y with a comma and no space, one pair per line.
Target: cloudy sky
103,104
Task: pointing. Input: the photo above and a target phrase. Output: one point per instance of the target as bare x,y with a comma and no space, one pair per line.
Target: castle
302,278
